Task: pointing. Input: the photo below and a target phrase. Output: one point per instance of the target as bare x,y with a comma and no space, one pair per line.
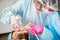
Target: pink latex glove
15,23
36,29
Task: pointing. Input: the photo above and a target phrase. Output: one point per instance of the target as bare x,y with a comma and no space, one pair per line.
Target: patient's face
15,36
20,35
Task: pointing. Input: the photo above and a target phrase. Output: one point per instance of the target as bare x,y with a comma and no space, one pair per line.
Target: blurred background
59,5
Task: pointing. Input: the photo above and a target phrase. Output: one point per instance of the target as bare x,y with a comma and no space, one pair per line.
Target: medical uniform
28,13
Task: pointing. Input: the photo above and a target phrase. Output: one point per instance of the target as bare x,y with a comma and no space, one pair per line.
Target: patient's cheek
14,36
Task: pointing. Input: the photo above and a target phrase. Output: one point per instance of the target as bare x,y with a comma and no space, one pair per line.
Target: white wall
4,4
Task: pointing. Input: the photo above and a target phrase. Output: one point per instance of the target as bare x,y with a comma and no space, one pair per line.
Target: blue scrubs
26,10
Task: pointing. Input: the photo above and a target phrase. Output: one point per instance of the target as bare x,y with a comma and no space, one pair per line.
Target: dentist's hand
34,29
15,23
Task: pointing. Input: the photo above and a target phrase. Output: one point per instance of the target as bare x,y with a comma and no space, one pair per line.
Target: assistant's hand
15,23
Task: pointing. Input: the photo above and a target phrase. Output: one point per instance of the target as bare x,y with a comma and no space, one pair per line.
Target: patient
20,35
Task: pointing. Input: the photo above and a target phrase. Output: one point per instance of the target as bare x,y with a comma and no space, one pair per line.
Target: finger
17,27
32,32
27,26
13,26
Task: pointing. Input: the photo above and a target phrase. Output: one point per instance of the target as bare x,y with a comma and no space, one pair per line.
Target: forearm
7,13
6,16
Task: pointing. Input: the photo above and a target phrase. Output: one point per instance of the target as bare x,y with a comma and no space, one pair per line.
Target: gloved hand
36,29
15,23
